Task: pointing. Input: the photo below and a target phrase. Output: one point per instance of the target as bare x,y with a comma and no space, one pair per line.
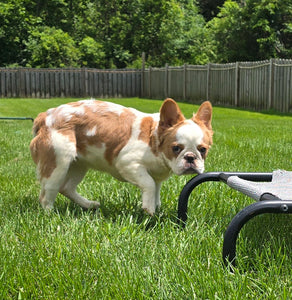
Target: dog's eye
203,151
176,149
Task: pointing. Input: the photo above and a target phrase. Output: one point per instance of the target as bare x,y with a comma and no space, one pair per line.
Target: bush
50,47
92,53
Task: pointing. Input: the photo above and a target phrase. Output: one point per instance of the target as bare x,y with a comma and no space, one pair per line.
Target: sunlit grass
119,252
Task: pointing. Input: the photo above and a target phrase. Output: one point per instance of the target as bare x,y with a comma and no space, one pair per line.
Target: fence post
166,81
271,83
84,78
142,74
185,82
208,82
21,78
149,82
2,83
236,87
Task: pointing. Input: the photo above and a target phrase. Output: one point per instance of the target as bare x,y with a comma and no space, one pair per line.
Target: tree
109,24
171,32
50,47
15,22
91,53
273,24
210,8
253,30
229,33
195,45
166,30
102,33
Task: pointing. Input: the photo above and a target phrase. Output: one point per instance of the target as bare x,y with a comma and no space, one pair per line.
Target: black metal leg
231,234
212,176
186,191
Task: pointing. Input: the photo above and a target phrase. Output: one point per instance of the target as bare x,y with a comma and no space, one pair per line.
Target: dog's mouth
190,168
190,171
186,168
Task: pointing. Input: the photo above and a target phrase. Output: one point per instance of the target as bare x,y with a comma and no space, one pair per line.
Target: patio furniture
272,191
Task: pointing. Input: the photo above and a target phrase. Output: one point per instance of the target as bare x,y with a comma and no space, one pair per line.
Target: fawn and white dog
143,149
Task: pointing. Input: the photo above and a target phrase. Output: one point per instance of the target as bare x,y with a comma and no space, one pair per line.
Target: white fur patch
64,148
90,104
91,132
190,135
65,111
105,106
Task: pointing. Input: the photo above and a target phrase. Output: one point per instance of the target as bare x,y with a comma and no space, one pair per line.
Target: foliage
254,30
51,47
15,22
209,8
106,34
92,53
119,252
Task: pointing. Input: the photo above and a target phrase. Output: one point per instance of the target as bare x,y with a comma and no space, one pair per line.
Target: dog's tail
39,122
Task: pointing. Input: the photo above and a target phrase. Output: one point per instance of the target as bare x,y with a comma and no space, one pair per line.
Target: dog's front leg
149,195
139,176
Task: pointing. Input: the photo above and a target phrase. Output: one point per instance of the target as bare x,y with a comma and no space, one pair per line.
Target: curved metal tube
187,189
212,176
249,212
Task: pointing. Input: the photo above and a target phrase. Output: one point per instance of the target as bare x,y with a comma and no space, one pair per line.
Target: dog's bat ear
170,114
204,114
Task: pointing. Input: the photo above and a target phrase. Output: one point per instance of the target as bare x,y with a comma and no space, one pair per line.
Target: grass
119,252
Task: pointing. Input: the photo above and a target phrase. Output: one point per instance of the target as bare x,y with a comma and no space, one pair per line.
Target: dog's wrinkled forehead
189,134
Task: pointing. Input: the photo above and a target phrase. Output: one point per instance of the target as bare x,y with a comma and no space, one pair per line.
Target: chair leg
211,176
231,234
186,191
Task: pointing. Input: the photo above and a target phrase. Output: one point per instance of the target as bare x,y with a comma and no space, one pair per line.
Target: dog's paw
149,211
92,205
48,207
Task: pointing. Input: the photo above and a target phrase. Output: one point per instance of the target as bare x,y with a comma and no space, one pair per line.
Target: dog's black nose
189,158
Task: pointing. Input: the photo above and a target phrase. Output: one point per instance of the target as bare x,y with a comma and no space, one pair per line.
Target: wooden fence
259,85
47,83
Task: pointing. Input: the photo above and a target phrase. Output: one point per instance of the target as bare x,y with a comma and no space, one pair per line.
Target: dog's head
185,143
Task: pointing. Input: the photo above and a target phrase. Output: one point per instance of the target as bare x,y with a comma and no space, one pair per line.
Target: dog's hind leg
53,153
47,198
50,186
74,176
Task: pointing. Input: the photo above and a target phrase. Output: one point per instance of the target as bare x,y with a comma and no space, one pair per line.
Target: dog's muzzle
191,164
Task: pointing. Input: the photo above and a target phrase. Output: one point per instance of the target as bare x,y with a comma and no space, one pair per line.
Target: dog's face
185,143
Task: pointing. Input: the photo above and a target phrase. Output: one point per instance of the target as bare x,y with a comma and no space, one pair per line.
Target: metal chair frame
268,204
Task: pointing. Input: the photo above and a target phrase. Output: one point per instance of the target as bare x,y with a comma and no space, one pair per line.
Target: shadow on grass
109,211
265,241
112,211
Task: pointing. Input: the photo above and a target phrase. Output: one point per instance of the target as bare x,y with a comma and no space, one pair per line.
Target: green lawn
119,252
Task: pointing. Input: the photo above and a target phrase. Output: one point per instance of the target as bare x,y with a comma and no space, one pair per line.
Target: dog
143,149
